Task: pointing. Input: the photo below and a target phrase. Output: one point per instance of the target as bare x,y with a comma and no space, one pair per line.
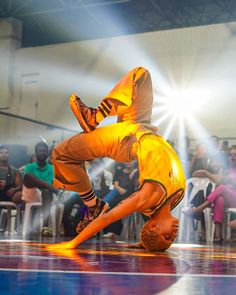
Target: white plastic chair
13,215
33,201
56,214
27,220
187,222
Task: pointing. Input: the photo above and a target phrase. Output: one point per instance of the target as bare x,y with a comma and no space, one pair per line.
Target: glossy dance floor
110,268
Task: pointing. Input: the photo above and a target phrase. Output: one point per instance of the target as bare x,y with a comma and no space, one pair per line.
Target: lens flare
185,103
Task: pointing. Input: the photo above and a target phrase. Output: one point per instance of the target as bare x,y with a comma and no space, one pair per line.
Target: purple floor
111,268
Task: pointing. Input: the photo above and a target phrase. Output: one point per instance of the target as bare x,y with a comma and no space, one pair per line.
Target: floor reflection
112,268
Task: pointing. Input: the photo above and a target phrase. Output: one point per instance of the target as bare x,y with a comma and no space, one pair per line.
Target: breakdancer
161,177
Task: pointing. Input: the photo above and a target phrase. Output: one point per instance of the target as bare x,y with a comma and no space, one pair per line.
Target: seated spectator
199,162
31,160
223,196
225,147
199,159
102,178
38,178
218,160
200,166
73,213
134,176
10,180
74,208
123,187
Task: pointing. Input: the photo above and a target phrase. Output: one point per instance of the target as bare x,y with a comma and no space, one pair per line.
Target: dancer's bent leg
131,100
69,157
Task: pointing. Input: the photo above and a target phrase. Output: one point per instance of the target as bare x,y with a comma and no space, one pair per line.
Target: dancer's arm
143,199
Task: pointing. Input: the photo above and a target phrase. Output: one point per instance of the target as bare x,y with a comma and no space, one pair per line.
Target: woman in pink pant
223,196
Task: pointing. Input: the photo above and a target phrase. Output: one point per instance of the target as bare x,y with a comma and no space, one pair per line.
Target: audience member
31,160
225,146
199,159
38,178
123,187
223,196
10,180
73,213
74,208
198,163
218,160
101,178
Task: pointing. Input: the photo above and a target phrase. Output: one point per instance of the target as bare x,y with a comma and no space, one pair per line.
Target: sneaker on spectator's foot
86,116
46,232
92,213
109,235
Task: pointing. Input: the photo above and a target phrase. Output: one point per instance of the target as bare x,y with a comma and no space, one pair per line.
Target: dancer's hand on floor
60,246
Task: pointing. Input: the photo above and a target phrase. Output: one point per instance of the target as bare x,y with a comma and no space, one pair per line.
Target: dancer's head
159,235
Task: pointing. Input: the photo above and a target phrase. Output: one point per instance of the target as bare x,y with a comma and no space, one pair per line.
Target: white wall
10,41
200,57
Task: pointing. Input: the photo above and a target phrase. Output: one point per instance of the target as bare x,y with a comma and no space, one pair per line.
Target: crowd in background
33,182
218,164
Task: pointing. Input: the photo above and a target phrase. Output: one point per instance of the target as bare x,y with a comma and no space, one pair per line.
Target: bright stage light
179,109
184,103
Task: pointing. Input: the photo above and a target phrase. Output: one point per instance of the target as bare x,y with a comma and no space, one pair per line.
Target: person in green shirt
40,175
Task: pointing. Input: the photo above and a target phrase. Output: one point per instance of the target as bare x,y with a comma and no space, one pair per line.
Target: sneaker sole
79,116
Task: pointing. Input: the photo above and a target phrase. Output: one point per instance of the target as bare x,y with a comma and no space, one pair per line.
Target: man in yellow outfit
162,181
